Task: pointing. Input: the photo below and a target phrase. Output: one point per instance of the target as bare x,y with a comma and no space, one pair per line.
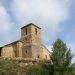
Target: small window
26,31
35,31
26,51
38,56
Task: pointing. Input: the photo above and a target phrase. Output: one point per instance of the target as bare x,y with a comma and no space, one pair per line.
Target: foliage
12,67
61,59
36,70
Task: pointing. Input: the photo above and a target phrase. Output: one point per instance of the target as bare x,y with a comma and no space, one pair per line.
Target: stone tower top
31,39
29,25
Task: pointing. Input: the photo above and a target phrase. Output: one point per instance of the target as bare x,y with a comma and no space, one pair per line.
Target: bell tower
31,39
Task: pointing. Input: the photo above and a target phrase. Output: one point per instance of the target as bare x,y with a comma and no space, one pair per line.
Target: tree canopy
61,58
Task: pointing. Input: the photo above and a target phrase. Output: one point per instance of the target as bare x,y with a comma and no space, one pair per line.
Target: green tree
61,59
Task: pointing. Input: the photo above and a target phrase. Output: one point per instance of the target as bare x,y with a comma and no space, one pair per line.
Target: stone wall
20,45
45,53
36,37
27,51
31,39
29,46
36,52
12,50
8,52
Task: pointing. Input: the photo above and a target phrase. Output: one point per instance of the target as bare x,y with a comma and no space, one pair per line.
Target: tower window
0,52
26,51
26,31
35,31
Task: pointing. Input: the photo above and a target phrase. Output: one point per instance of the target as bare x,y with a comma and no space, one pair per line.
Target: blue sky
55,17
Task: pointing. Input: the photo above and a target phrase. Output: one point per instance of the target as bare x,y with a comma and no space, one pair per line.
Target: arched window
0,51
36,31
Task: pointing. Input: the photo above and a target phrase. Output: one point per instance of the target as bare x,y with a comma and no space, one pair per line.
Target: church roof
1,47
29,25
12,43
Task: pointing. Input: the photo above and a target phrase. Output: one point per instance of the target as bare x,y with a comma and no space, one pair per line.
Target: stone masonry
29,46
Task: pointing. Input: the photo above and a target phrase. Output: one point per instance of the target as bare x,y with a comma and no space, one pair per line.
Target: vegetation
60,63
61,60
12,67
8,67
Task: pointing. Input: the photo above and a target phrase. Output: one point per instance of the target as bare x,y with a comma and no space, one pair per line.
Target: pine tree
61,59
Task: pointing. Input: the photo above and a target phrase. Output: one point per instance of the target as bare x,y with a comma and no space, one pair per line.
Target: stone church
29,46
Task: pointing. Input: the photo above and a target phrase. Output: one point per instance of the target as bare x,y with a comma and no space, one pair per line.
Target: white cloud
5,26
4,20
51,10
44,13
